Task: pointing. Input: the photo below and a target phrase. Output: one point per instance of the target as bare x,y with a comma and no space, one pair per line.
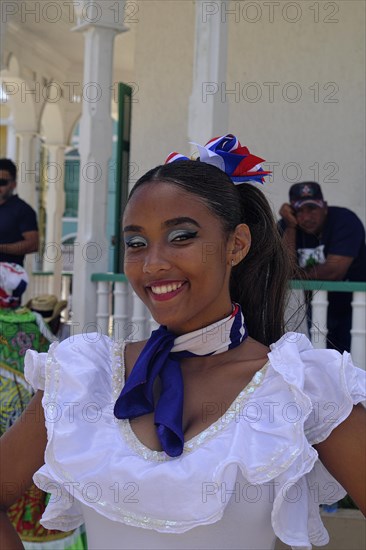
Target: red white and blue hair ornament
173,157
227,153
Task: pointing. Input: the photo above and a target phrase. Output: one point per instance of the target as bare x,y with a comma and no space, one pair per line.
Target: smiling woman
237,231
179,261
221,435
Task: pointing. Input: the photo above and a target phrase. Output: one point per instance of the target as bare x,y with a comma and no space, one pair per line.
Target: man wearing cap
328,243
18,221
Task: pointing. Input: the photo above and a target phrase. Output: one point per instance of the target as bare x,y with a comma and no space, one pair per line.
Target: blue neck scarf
161,357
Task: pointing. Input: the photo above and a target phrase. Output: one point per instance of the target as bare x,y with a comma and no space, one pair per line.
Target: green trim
334,286
109,277
122,173
50,273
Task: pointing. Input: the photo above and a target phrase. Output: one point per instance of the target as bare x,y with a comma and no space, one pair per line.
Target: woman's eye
178,236
135,242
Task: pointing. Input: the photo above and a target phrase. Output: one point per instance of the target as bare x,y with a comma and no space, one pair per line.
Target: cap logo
307,191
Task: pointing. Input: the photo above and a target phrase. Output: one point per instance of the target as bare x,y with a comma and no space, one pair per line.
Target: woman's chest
207,398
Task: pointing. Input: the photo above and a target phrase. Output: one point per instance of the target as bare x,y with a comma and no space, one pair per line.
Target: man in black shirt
328,243
18,221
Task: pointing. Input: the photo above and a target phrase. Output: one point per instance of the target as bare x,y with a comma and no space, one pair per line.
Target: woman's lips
165,290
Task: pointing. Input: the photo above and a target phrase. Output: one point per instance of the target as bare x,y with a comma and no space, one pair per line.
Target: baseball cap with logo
307,192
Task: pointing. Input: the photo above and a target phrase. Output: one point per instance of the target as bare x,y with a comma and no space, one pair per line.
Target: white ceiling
56,43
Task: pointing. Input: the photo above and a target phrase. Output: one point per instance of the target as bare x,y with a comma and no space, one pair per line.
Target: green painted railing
295,284
333,286
109,277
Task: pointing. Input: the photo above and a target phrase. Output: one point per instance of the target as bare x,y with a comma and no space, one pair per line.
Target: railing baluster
133,321
103,306
138,319
120,317
358,331
318,329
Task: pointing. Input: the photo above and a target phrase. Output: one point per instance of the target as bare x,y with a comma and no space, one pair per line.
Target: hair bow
226,153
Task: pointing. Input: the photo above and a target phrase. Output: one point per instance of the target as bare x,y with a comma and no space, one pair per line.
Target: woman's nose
155,260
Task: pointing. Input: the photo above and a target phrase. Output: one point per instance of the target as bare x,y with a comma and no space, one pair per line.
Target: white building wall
163,77
323,133
319,47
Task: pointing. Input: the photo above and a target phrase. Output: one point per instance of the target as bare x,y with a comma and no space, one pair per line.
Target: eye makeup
181,235
135,241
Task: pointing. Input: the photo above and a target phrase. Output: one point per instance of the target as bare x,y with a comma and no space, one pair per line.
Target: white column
95,146
3,22
27,168
55,206
28,171
358,331
11,142
208,113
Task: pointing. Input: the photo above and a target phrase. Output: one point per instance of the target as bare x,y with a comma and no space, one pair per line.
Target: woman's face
177,258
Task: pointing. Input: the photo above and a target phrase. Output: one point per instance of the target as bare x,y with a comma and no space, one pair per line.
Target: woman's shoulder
325,378
295,358
93,351
72,356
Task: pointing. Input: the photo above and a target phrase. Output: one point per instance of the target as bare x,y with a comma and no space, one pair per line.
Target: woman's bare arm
343,453
21,454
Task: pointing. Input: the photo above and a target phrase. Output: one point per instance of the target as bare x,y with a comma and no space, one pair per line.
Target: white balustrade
66,284
318,329
139,317
39,283
123,315
358,330
103,309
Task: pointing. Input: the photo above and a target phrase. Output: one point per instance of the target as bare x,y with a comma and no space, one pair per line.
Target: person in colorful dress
20,330
217,431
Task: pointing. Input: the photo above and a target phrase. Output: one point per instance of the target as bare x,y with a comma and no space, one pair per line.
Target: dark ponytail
259,282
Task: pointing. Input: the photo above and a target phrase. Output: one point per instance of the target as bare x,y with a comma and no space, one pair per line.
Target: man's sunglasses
4,182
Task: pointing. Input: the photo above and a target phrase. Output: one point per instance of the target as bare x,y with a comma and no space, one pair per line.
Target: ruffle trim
309,481
35,369
284,458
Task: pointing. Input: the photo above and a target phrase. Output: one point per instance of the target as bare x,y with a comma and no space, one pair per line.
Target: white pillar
208,113
28,171
11,142
2,43
95,146
55,206
27,168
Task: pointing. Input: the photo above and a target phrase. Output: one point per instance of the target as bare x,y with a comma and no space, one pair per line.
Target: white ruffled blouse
250,476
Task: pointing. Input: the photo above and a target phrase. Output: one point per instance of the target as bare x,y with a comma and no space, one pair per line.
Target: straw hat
47,305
